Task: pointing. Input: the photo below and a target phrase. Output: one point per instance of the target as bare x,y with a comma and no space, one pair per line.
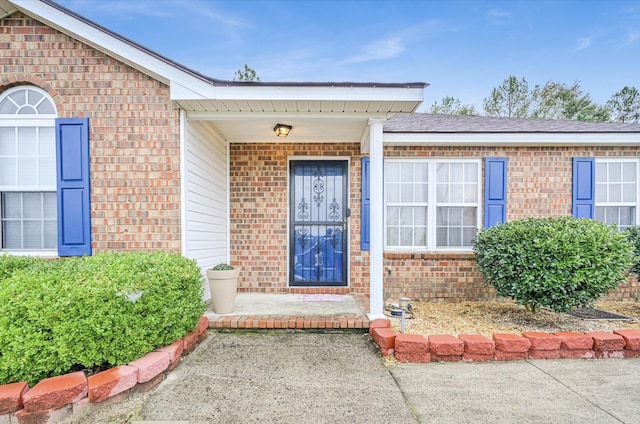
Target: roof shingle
430,123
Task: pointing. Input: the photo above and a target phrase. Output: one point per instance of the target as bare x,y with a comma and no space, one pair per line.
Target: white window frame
37,121
432,204
635,204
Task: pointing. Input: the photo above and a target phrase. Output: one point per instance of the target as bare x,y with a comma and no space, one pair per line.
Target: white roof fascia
514,139
131,55
232,116
304,92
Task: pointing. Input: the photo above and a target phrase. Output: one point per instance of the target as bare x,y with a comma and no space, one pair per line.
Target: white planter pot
223,286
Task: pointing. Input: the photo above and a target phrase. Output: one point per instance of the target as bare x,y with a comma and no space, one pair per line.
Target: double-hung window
431,204
616,191
28,214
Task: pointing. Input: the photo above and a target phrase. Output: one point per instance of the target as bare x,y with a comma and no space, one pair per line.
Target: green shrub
99,311
223,267
633,236
559,263
11,263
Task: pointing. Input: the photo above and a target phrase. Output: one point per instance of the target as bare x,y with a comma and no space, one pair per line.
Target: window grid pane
407,226
25,222
454,189
456,226
622,216
28,213
616,193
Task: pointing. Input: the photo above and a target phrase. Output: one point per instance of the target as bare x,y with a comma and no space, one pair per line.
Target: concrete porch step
292,311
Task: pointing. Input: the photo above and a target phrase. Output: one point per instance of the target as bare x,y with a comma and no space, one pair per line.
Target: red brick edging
54,398
288,322
503,347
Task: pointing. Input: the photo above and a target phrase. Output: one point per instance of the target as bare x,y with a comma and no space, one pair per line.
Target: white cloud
632,36
201,8
156,8
498,16
584,43
393,46
499,13
121,8
379,50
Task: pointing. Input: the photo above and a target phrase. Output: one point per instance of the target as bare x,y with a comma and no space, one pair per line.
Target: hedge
99,311
559,263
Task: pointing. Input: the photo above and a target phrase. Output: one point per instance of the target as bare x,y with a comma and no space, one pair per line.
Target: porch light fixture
282,130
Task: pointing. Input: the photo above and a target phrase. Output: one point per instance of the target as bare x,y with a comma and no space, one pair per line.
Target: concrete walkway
303,377
533,391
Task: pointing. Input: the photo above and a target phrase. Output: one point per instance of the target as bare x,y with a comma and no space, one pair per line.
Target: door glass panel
318,223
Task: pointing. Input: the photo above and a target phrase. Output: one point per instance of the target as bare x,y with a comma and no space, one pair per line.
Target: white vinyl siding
206,198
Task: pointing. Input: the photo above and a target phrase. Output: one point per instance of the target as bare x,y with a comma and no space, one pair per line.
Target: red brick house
106,145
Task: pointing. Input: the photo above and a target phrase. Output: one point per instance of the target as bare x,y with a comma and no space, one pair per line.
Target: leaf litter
489,317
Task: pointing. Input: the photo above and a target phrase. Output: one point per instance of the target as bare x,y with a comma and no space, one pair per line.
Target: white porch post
376,187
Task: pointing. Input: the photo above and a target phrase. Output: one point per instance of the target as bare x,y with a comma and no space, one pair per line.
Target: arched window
27,170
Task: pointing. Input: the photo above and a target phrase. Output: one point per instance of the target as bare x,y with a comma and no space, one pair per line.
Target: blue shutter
583,190
365,234
495,191
74,212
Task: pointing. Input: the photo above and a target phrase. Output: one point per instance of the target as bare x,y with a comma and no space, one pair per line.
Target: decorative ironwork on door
318,232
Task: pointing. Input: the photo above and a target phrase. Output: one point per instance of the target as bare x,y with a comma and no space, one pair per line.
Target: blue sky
461,48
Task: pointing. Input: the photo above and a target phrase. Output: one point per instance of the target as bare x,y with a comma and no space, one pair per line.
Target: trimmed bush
633,235
11,263
98,311
559,263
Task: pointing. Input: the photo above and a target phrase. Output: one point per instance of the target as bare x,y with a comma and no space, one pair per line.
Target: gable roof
459,124
196,92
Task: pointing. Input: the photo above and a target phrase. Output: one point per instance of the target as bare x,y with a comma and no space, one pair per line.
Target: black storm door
318,227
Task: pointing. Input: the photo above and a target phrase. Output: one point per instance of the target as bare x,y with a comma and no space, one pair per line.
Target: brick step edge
114,384
263,322
623,343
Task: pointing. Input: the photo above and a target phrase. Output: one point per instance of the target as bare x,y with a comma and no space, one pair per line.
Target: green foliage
452,106
553,100
222,267
246,74
633,236
510,99
625,104
10,264
560,101
559,263
104,310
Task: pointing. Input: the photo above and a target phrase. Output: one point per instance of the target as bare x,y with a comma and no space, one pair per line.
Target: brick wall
434,277
135,155
259,218
539,185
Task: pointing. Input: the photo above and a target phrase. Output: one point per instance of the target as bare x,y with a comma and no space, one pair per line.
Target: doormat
323,298
593,314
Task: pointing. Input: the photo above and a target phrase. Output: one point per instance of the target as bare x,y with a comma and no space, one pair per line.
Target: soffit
6,9
317,114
